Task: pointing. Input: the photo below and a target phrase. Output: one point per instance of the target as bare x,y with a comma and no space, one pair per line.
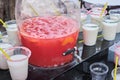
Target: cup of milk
18,63
117,75
90,32
12,31
3,61
116,14
95,15
109,27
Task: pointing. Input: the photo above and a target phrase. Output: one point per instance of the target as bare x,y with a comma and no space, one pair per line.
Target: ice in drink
3,61
109,28
98,71
48,38
96,12
12,32
90,32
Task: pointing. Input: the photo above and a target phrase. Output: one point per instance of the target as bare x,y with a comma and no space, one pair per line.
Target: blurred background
6,11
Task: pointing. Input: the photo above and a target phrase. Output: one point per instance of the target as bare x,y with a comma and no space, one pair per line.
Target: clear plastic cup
3,61
18,65
12,31
90,32
116,14
98,71
109,27
117,74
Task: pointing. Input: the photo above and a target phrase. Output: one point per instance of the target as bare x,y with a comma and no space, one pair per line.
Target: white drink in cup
117,75
117,17
18,65
12,32
3,61
109,28
90,32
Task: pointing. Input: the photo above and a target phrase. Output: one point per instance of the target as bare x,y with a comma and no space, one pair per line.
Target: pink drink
48,38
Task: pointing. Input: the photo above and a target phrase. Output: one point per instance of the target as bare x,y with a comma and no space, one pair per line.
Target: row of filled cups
11,34
96,15
13,56
109,25
15,59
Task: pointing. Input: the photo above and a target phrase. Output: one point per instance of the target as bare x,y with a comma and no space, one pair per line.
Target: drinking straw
35,12
5,54
116,62
3,23
104,8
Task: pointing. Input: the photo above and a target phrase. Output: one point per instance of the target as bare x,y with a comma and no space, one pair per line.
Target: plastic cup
96,12
116,14
12,32
3,61
109,28
98,71
90,32
117,74
18,65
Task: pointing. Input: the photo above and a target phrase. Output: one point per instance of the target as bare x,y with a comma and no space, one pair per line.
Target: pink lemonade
48,38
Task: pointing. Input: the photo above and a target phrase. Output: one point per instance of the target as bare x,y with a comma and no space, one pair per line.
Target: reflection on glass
88,51
106,43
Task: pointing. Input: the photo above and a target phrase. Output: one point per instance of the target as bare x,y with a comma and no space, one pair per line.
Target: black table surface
90,54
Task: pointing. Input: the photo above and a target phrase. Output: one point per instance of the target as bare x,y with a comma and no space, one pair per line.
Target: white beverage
109,29
117,75
117,17
3,61
90,32
13,36
18,67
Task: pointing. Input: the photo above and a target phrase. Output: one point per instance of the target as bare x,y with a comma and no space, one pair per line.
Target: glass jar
48,28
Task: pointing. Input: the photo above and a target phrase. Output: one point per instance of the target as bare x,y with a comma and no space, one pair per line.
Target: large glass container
48,28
